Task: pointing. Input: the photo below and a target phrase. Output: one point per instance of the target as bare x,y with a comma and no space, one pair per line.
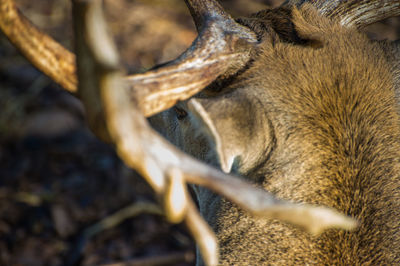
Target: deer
295,105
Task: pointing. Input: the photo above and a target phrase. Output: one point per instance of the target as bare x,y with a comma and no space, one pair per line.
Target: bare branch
115,219
354,13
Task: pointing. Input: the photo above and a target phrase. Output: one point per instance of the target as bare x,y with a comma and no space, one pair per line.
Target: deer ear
212,128
308,26
231,125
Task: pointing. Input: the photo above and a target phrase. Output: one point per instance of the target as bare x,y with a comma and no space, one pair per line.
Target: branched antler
163,166
221,45
358,13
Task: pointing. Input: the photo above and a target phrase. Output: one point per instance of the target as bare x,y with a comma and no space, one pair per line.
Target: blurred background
57,181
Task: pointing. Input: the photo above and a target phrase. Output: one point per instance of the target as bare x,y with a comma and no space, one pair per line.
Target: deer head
294,100
301,119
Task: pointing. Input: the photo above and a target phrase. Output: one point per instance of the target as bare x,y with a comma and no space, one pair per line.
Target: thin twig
168,259
123,214
109,222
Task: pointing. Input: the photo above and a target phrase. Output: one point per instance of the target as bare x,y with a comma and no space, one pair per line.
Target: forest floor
60,185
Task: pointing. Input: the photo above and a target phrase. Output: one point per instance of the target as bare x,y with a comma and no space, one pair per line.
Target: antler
106,95
43,51
221,45
167,169
358,13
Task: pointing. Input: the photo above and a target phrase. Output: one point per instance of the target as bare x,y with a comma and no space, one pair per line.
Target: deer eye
180,113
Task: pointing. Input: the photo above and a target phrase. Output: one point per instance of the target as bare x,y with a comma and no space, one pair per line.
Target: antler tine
43,51
358,13
203,10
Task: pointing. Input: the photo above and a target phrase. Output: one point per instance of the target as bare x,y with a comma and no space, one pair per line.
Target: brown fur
321,127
